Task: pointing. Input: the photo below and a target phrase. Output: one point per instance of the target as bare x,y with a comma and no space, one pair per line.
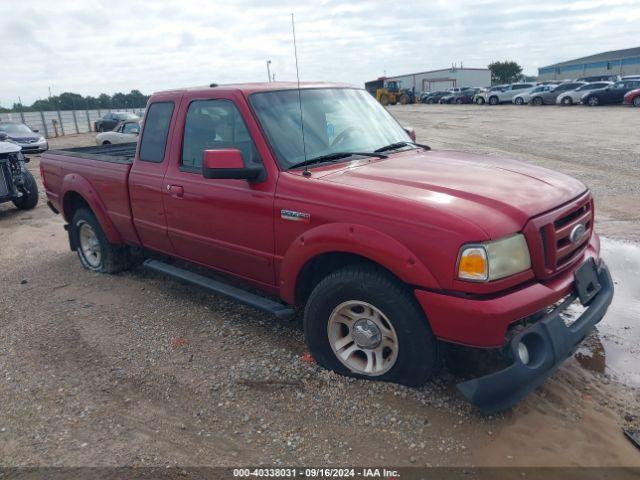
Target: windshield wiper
395,146
336,156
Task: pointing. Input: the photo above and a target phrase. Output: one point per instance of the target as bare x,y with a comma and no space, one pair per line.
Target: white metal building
444,79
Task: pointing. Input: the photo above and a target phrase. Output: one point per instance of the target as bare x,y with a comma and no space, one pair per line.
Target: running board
278,309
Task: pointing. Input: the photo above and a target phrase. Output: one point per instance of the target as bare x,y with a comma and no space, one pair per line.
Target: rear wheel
404,99
29,198
519,101
362,322
430,101
566,101
536,101
384,99
593,101
636,101
95,251
480,101
459,101
493,100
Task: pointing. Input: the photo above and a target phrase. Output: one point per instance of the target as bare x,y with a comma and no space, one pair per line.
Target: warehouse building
442,79
616,62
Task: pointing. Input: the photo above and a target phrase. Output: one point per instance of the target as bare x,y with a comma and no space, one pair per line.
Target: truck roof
248,88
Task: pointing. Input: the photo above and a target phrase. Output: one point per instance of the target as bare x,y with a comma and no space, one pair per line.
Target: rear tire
404,99
95,251
566,101
537,101
519,101
493,101
480,101
30,198
384,99
636,101
357,306
593,101
458,101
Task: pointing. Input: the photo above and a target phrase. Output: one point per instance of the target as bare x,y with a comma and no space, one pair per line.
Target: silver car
523,98
573,96
30,140
506,93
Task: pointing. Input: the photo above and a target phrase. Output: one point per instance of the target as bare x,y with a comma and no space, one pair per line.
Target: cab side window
156,128
215,125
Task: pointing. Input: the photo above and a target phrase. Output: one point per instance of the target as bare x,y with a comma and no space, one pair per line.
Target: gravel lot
137,369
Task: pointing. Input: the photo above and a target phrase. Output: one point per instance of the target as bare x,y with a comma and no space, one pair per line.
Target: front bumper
34,147
550,342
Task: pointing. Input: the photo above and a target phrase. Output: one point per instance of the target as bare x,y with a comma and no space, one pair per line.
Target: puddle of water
615,347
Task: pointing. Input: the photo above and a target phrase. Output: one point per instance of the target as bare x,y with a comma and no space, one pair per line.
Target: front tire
636,101
361,322
95,251
566,101
519,101
29,198
480,101
537,101
493,101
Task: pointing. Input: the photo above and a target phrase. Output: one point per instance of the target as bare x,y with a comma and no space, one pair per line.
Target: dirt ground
136,369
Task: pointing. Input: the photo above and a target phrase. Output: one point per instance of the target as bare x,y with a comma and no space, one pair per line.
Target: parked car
549,97
125,132
574,96
506,93
611,94
30,140
349,228
480,98
524,97
633,97
434,97
465,96
111,119
447,98
599,78
17,185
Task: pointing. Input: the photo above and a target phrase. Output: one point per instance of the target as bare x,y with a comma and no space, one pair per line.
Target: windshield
335,120
14,128
126,116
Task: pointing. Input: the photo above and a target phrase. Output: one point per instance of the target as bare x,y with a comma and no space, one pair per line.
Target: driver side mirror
228,164
411,132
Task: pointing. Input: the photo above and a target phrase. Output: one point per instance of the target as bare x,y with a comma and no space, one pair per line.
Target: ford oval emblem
577,233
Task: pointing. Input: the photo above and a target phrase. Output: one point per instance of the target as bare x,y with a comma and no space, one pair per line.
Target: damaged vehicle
17,185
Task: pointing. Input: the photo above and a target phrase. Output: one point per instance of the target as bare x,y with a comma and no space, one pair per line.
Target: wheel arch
77,192
324,249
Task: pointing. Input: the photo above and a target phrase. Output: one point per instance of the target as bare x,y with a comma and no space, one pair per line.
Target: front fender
74,183
355,239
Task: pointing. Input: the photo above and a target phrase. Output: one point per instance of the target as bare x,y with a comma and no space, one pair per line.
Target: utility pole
269,70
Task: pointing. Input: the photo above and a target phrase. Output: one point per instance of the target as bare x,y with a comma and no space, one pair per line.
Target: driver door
220,223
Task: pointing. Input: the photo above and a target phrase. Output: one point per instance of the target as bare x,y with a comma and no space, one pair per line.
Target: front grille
4,176
549,235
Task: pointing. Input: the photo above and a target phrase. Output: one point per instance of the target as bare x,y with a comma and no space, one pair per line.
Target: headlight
494,260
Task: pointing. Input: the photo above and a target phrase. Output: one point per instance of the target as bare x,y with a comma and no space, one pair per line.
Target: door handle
176,191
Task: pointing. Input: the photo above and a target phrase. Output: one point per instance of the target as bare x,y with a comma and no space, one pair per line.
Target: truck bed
100,173
119,153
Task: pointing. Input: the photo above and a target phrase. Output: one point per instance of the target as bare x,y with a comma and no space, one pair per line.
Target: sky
90,47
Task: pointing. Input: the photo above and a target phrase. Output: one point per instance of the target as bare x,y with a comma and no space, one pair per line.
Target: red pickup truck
319,200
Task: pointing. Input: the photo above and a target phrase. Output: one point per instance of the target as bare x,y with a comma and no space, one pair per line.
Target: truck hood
498,195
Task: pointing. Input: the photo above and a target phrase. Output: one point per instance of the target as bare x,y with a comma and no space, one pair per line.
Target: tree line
75,101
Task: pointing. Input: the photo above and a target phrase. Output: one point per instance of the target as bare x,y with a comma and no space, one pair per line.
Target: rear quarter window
156,129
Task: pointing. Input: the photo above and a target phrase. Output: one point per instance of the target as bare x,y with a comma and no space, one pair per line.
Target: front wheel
493,101
636,101
519,101
95,251
566,101
29,190
536,101
362,322
480,101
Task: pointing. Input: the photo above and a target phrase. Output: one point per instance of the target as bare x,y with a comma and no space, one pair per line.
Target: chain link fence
62,122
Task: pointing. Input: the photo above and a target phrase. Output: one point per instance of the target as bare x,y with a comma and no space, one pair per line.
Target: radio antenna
295,52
